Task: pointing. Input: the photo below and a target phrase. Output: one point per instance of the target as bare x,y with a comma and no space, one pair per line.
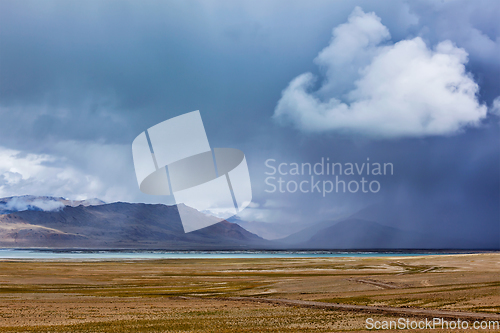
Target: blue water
104,255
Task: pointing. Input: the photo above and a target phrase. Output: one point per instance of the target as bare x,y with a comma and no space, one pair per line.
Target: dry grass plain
186,295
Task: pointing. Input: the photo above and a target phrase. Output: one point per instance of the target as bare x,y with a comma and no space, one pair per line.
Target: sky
411,83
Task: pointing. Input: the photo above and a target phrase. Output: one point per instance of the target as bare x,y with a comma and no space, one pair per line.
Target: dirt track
413,312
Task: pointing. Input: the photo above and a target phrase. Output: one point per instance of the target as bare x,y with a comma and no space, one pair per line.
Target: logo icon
174,158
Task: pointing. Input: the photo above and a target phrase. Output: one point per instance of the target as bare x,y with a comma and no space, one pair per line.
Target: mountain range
115,226
48,222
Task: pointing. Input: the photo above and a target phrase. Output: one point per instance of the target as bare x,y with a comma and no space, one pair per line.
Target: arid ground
204,295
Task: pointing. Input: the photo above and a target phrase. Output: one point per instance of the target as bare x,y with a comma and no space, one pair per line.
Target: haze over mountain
361,234
268,230
395,226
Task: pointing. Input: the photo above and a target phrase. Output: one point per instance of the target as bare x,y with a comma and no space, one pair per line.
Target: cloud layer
69,177
26,203
381,89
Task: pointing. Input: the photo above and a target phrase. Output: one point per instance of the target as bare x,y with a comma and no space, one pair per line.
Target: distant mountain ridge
361,234
46,222
388,227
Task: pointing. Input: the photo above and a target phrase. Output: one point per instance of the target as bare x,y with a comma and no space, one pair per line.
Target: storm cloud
80,80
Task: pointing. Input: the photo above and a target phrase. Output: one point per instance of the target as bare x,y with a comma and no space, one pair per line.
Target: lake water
111,255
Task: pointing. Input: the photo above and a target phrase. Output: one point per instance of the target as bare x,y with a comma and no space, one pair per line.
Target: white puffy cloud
381,89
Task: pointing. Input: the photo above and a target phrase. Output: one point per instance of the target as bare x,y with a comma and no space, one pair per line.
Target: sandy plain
223,295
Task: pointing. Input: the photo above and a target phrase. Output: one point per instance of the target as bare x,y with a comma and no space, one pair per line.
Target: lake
145,254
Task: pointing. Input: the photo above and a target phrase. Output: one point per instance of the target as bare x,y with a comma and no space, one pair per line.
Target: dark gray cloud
79,80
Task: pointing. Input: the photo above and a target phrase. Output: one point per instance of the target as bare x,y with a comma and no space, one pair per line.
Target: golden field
194,295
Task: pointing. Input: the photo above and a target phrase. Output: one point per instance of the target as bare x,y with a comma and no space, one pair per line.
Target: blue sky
413,83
